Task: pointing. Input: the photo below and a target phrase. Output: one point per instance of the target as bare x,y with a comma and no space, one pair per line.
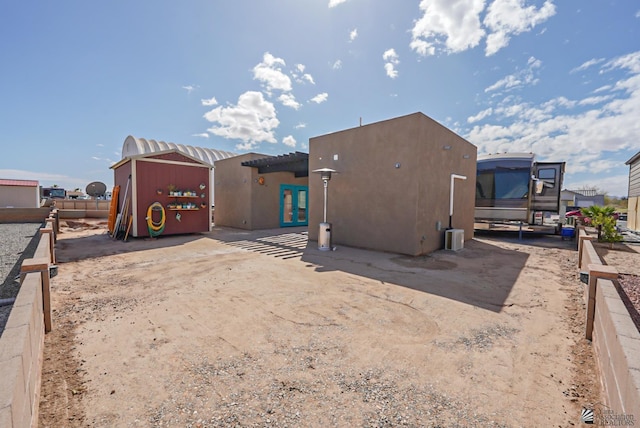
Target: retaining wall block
13,393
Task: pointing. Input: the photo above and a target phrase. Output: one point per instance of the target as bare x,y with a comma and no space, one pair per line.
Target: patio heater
324,235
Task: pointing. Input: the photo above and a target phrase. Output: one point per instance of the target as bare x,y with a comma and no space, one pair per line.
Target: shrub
602,219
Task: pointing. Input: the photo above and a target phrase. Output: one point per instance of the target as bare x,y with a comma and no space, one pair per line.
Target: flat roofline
494,156
22,183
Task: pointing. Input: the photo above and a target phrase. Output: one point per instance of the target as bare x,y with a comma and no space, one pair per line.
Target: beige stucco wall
633,220
374,204
242,202
19,197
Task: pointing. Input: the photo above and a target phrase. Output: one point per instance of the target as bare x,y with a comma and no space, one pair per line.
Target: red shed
163,193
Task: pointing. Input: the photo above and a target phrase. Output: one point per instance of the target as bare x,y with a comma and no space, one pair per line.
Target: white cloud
289,141
253,120
391,58
603,89
455,26
210,102
526,76
189,88
337,65
578,132
289,100
390,70
353,34
506,82
320,98
630,62
602,165
300,76
334,3
300,126
511,17
452,26
587,64
270,73
616,185
201,135
594,100
481,115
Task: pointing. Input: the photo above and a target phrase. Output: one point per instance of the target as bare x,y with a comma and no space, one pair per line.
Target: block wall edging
616,340
22,345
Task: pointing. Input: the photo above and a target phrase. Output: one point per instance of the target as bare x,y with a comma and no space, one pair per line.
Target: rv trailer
513,187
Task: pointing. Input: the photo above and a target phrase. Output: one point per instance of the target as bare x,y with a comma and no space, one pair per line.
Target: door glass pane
302,205
287,214
548,175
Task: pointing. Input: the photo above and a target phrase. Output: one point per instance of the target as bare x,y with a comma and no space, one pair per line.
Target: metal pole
326,185
520,231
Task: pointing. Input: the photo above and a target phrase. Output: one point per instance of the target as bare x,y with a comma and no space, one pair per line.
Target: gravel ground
219,330
18,243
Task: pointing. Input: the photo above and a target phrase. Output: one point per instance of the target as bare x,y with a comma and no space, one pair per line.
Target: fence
83,208
22,342
614,336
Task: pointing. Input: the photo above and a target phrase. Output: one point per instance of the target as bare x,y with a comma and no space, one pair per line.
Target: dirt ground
235,328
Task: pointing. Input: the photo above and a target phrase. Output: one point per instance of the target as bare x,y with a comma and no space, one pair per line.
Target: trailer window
548,175
512,183
503,183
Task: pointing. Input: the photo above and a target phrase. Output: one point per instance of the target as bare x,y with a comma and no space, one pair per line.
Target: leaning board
113,209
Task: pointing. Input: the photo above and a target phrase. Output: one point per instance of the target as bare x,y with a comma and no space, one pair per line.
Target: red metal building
163,193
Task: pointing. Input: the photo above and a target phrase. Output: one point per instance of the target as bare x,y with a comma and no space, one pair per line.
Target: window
548,175
503,183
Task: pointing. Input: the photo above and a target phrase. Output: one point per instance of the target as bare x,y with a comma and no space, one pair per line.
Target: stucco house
19,193
257,191
395,185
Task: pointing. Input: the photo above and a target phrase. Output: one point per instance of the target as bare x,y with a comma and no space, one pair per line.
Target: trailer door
547,185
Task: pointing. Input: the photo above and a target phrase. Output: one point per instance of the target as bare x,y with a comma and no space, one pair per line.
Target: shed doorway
293,205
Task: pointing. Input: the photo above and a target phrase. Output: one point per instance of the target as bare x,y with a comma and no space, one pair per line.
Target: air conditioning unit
454,239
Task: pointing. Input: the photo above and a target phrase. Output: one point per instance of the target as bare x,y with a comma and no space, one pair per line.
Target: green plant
603,220
609,231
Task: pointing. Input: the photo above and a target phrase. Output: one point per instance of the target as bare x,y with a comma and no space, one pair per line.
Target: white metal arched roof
137,146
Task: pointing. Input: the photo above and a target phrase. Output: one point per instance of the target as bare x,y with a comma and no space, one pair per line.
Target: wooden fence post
41,264
596,271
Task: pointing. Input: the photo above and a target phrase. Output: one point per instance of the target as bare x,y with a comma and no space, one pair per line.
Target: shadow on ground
101,244
541,240
481,274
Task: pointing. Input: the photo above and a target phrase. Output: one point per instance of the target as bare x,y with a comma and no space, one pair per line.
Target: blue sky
557,78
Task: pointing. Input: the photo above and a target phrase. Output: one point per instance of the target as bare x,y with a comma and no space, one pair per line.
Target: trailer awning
297,163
